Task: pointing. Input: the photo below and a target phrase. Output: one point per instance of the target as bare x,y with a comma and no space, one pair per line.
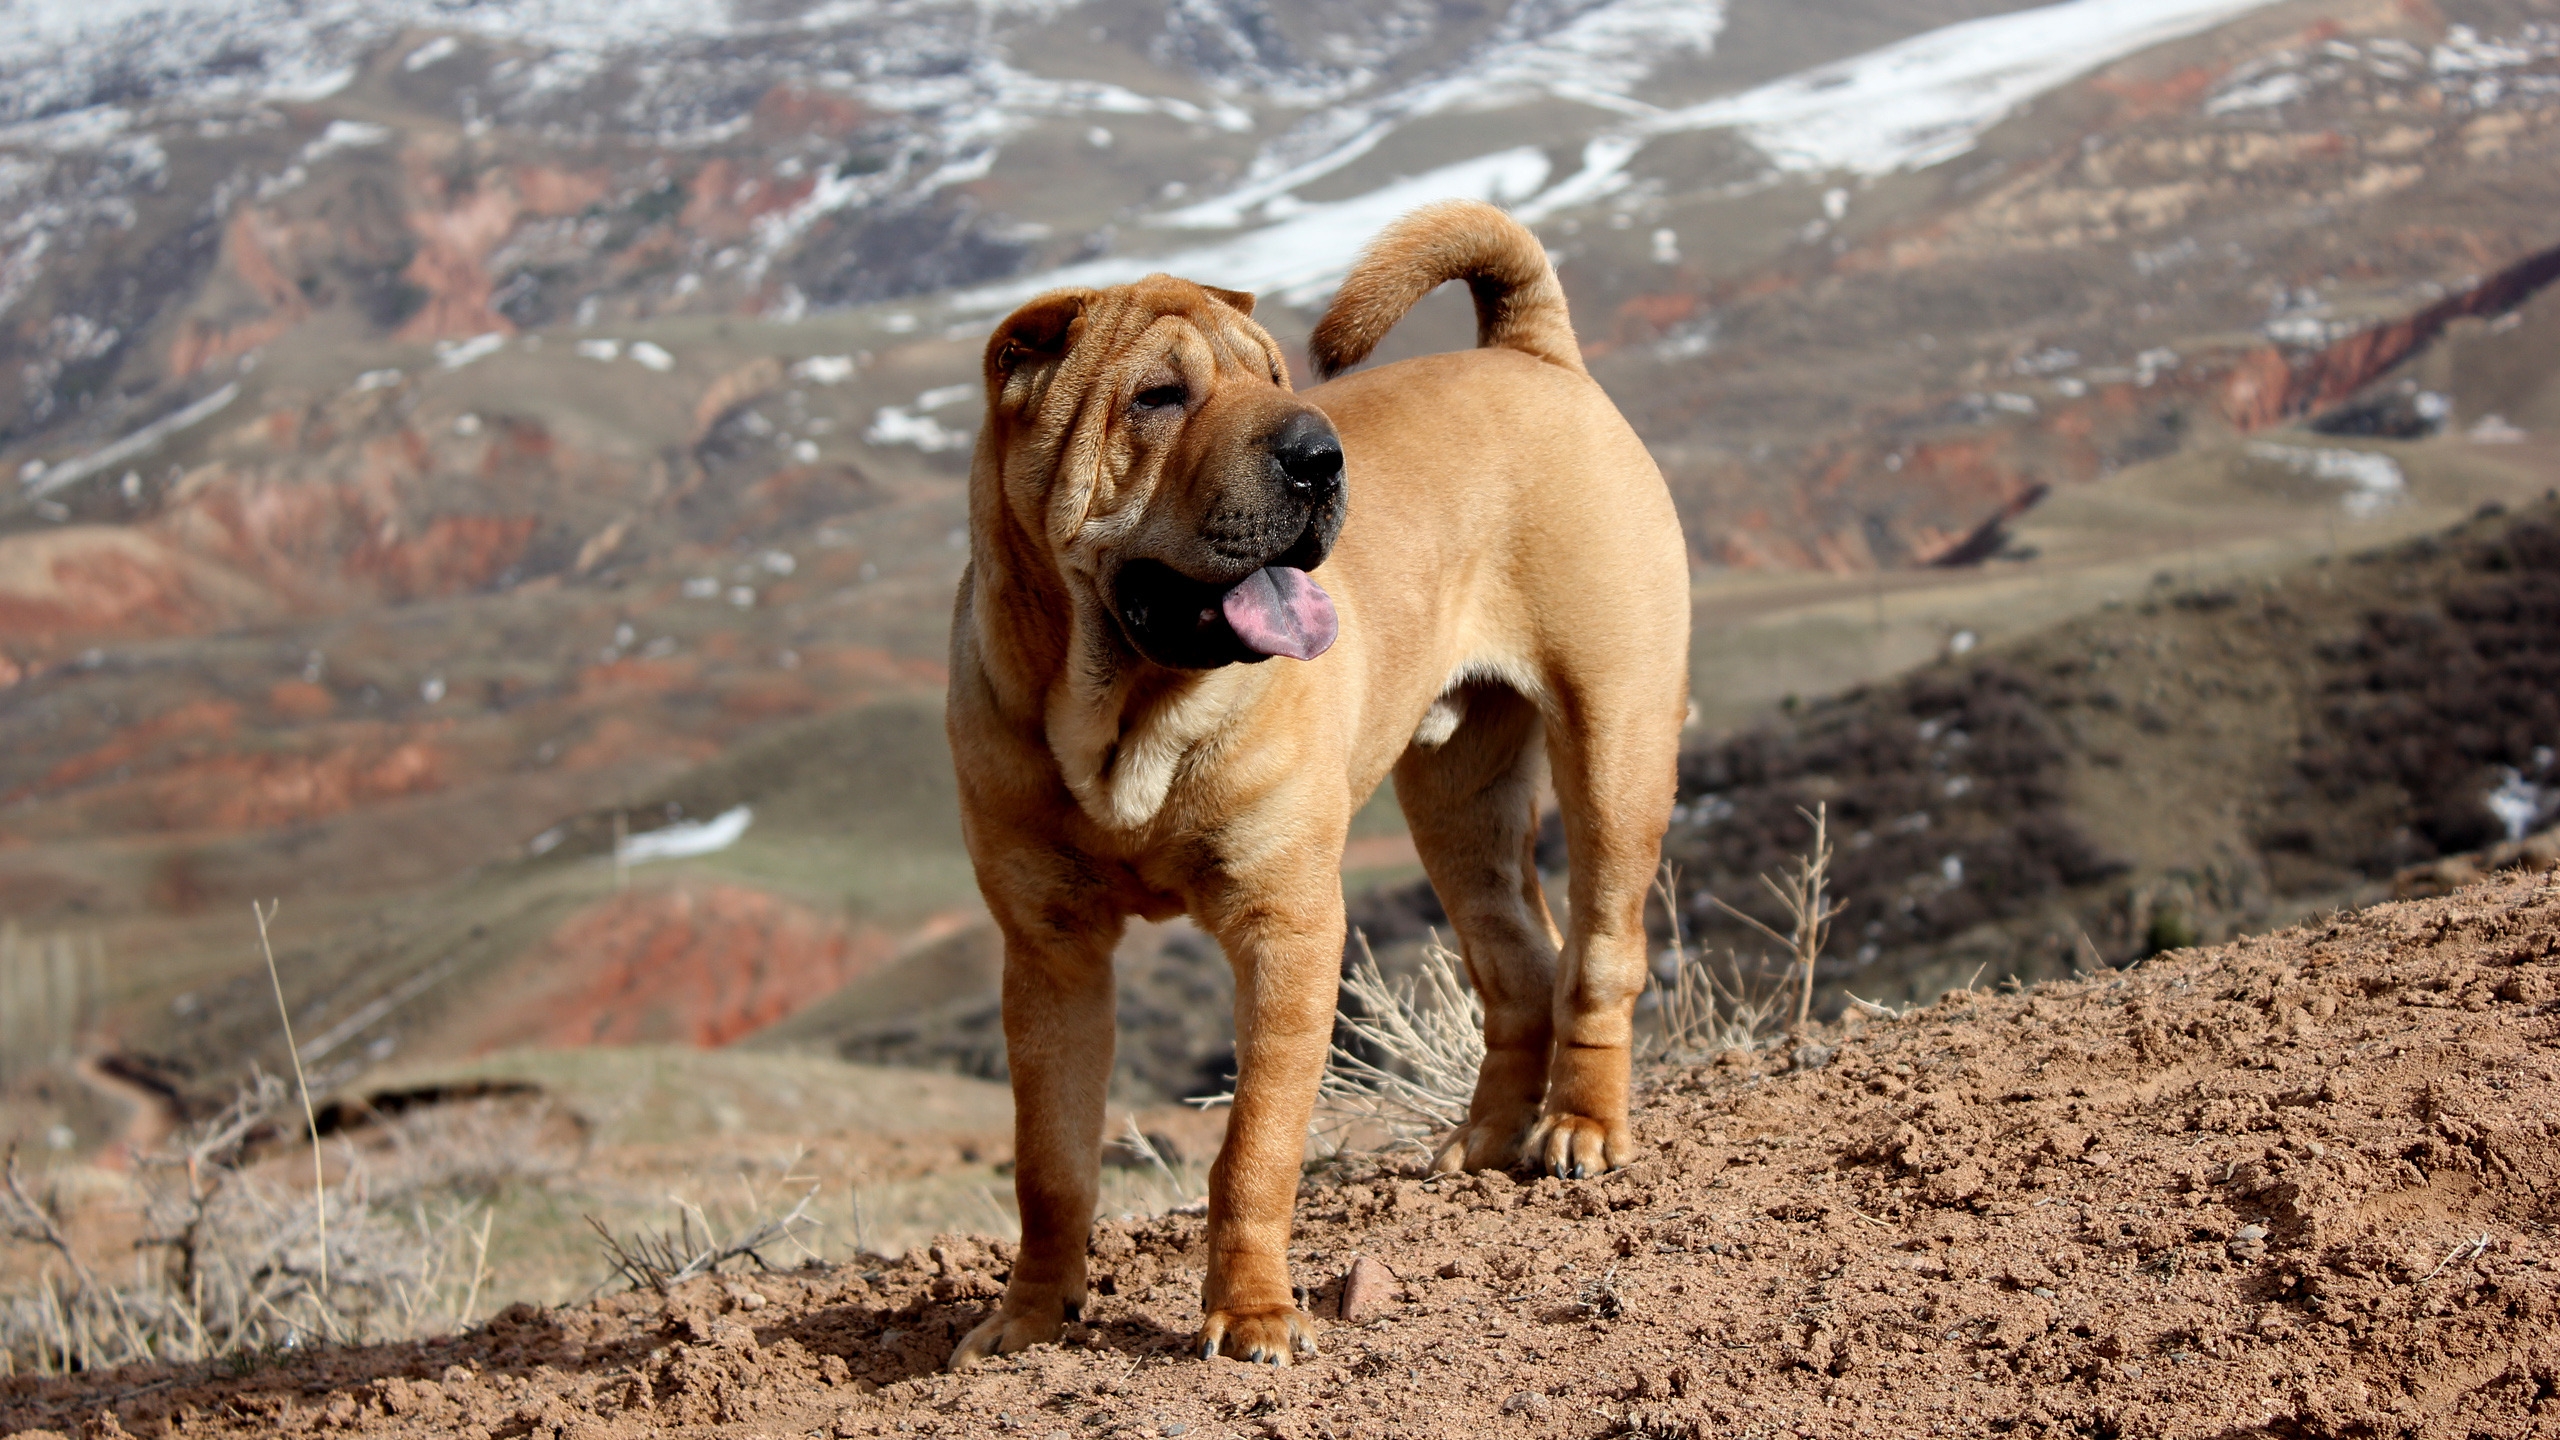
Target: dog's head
1146,437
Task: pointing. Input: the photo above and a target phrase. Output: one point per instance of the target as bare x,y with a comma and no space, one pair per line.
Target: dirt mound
2296,1186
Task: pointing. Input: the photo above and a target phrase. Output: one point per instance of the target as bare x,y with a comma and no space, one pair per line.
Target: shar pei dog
1206,613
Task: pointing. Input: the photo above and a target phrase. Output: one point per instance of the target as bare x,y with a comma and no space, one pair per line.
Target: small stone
2041,1293
1368,1291
2251,1232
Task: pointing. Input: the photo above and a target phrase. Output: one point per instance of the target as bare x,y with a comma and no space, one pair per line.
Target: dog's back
1519,304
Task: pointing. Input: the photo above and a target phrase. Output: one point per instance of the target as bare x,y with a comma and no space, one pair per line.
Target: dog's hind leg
1058,1023
1615,750
1471,802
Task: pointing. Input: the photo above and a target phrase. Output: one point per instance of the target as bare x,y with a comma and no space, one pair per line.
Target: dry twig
319,1185
1804,892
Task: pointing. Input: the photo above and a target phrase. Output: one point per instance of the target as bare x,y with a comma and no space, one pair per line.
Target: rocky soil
2298,1185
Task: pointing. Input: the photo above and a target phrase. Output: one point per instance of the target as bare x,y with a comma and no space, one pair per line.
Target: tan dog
1471,570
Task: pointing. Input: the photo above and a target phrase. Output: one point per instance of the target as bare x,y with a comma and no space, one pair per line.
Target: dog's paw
1006,1331
1480,1145
1571,1147
1261,1334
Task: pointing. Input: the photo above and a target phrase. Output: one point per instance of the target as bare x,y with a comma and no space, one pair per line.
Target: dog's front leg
1058,1022
1287,954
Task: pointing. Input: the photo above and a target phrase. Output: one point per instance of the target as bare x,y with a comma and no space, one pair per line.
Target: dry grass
1408,1071
661,1260
1406,1076
1803,891
227,1263
1426,1034
1700,1009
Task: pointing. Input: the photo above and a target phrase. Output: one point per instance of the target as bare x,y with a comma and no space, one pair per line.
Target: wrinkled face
1148,435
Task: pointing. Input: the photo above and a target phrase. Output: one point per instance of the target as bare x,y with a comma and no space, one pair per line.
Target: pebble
1368,1291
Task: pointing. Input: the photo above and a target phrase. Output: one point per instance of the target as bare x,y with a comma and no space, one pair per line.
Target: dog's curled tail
1519,305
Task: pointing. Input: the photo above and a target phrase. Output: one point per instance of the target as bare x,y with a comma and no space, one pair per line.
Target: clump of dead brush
1803,891
1404,1057
228,1262
1700,1012
661,1260
1403,1066
1416,1043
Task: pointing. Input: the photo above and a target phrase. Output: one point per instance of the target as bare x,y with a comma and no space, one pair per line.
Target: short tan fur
1512,592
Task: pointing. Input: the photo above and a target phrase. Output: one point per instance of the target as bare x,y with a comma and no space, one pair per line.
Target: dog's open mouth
1198,625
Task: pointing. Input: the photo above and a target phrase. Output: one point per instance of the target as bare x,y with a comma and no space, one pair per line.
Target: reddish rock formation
361,530
2268,386
696,963
207,719
253,791
249,246
65,587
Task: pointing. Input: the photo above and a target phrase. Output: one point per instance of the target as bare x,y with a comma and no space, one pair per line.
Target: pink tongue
1281,611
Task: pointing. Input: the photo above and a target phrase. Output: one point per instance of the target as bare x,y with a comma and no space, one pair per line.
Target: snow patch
1596,58
344,135
2373,481
1298,260
2259,94
454,354
2518,803
40,480
1928,99
443,47
824,369
913,424
687,838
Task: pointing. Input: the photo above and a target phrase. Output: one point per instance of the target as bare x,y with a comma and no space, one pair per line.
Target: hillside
2295,1186
443,435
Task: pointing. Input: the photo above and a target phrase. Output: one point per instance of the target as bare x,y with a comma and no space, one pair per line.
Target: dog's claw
1259,1335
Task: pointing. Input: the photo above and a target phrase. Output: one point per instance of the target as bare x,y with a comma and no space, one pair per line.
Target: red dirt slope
2296,1186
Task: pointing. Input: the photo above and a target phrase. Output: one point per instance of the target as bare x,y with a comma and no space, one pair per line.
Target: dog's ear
1241,301
1041,331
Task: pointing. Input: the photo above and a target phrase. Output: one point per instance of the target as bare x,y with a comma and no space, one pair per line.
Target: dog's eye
1162,397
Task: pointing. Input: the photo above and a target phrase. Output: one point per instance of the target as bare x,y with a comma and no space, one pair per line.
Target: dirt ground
2300,1185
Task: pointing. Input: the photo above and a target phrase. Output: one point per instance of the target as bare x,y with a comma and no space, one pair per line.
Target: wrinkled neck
1123,733
1020,605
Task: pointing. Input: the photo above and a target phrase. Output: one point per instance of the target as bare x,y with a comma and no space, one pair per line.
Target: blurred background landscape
491,478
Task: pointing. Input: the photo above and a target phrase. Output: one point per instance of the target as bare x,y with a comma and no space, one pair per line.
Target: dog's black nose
1310,456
